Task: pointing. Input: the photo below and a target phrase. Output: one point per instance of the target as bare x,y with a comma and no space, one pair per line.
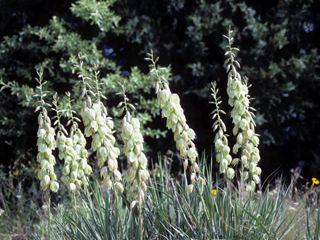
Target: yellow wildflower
214,192
315,181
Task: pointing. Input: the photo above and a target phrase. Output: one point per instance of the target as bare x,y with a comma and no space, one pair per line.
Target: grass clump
171,212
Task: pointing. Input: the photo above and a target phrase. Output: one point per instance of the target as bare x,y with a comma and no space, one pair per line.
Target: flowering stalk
100,127
46,144
68,155
137,173
222,148
176,121
72,150
242,117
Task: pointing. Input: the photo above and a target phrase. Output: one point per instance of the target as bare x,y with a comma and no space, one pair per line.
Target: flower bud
189,188
235,130
144,175
244,160
112,164
119,187
54,186
255,140
133,204
239,138
235,148
117,175
46,180
108,183
235,161
258,171
195,167
245,175
218,144
185,164
256,179
230,173
72,187
193,177
251,186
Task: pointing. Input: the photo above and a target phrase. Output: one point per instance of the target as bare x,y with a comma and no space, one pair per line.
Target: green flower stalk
222,148
46,144
176,121
137,173
242,118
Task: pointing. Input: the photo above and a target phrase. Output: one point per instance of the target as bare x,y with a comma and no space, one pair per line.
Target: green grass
169,212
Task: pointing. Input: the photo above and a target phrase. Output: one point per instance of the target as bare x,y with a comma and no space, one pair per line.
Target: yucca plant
154,205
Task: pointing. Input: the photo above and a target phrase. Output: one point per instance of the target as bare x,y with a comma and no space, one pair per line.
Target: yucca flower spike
46,144
242,118
137,173
221,145
171,109
100,127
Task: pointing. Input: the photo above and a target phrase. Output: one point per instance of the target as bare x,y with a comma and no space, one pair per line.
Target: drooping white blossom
183,134
100,127
84,169
137,173
74,154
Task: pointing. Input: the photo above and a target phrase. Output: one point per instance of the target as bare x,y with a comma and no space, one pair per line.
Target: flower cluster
46,144
68,154
223,156
242,118
137,172
84,169
72,151
222,148
100,127
183,134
